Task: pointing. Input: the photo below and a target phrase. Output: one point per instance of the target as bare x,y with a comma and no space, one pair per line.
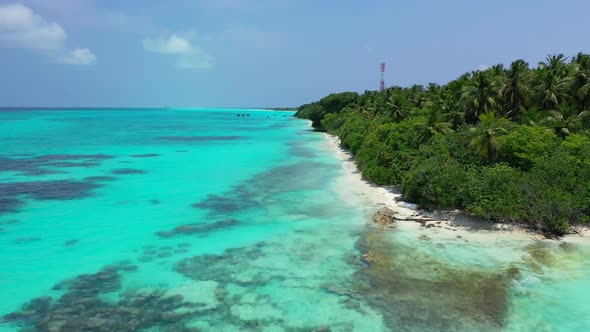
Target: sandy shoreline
448,224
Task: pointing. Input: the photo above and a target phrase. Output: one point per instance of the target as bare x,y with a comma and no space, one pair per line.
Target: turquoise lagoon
178,219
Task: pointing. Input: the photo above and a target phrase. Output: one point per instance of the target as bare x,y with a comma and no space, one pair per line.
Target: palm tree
368,110
481,96
397,107
434,125
455,116
580,83
380,101
497,70
566,120
515,91
450,102
552,91
416,95
533,116
484,139
555,64
433,89
581,58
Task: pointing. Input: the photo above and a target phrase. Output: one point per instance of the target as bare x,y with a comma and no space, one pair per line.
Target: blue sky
262,53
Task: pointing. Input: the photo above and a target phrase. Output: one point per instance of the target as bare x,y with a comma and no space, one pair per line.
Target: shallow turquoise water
170,219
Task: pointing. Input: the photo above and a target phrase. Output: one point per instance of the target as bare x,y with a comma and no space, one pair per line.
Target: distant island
505,144
282,109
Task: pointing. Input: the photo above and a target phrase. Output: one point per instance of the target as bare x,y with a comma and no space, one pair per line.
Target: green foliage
516,91
485,135
387,152
332,121
314,112
333,103
526,144
508,144
435,182
481,95
558,190
494,193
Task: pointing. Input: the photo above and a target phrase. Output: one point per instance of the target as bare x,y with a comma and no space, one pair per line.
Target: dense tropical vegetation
505,144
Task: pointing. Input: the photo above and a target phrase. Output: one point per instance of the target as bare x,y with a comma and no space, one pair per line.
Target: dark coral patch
147,155
48,190
11,193
105,281
223,204
263,188
35,166
82,309
9,204
199,228
129,268
415,291
54,157
70,243
215,267
127,171
27,239
303,152
40,172
24,166
66,164
10,222
300,150
100,178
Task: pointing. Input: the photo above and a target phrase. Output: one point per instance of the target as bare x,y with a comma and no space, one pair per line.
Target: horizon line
58,108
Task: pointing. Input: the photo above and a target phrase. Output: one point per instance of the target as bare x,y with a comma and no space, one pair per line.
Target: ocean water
172,220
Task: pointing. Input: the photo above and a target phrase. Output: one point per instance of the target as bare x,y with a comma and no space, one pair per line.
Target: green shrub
557,189
331,122
435,182
521,147
495,193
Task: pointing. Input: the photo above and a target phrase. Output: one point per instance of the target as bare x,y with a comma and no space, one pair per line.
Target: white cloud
188,56
483,67
20,27
78,56
173,45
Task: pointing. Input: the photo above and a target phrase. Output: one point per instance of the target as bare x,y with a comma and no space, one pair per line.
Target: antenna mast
382,83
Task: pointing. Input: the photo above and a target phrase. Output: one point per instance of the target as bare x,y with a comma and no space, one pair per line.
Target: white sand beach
444,224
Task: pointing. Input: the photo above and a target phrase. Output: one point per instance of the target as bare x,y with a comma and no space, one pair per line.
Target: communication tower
382,83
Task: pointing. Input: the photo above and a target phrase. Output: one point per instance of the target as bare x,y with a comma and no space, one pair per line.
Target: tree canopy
506,143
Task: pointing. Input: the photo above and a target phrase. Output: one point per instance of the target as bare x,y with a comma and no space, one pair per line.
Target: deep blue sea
236,220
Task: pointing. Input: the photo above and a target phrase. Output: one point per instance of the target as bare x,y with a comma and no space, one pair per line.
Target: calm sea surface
164,220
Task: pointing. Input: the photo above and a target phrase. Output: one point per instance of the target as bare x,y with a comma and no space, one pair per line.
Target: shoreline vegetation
508,145
386,209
